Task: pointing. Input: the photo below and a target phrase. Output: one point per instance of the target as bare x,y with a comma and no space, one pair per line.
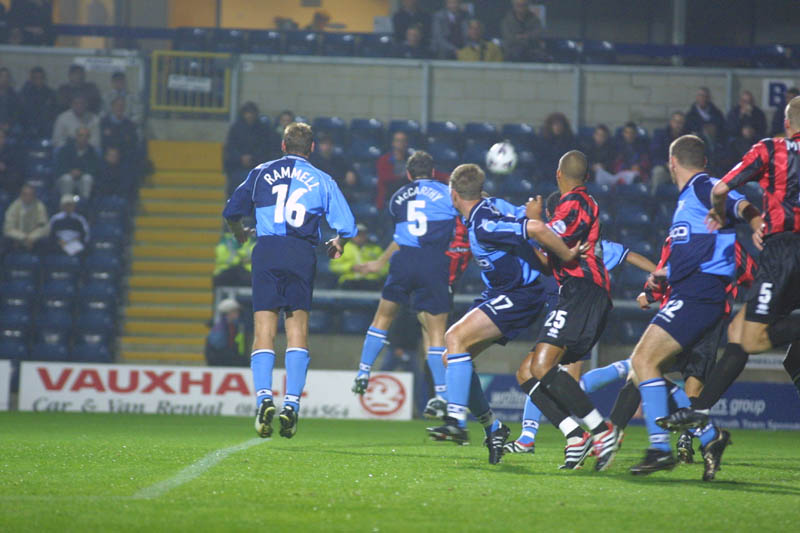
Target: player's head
298,139
419,166
466,184
687,156
572,168
551,203
792,122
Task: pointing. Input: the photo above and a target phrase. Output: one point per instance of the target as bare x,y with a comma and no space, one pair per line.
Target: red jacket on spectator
388,179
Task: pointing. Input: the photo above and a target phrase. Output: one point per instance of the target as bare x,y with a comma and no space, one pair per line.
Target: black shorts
698,360
578,319
776,290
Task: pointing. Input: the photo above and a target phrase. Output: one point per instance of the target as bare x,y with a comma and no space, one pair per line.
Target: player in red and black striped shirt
576,322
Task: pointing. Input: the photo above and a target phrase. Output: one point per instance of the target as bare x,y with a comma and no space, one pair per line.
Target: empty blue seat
45,351
631,215
444,132
18,288
22,265
302,43
334,127
599,52
522,136
514,184
264,42
410,127
108,232
563,50
229,40
91,352
56,319
375,45
364,152
771,56
355,322
338,44
475,154
95,323
102,266
14,349
96,289
61,267
643,247
59,289
445,157
193,39
526,162
480,132
15,321
367,129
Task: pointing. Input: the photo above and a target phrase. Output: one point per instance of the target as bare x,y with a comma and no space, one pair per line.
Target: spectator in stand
69,231
351,186
34,18
225,344
319,22
556,140
39,105
9,101
119,89
77,163
327,160
118,130
391,168
600,153
704,111
659,148
77,84
114,177
78,116
477,48
247,145
448,30
747,109
10,168
232,266
412,47
26,226
358,251
741,143
716,149
521,30
633,159
777,117
410,15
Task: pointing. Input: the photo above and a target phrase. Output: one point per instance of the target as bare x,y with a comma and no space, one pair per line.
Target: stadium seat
446,132
375,45
102,266
643,247
331,126
15,322
563,50
367,129
633,194
59,320
480,132
475,154
515,185
95,323
98,290
445,157
109,232
193,39
355,322
599,53
302,43
319,321
410,127
522,136
770,56
526,163
91,352
61,267
23,289
338,44
59,289
20,265
230,41
364,151
264,42
13,349
667,193
631,215
46,351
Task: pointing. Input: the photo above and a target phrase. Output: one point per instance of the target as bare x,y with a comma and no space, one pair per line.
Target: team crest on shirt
559,227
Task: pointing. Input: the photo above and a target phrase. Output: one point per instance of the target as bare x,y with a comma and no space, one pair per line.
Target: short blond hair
793,112
573,165
689,151
298,138
467,180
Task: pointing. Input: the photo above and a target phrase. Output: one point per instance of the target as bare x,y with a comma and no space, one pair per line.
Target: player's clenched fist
335,248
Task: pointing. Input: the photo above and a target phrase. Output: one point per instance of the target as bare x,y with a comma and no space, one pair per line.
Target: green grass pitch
74,472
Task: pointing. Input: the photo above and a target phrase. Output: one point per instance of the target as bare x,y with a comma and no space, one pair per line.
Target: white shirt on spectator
66,124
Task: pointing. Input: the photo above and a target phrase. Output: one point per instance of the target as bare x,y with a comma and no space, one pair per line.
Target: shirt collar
475,209
295,156
691,181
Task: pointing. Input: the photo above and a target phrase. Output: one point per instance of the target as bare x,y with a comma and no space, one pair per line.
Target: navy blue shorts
418,278
283,274
687,321
512,311
698,360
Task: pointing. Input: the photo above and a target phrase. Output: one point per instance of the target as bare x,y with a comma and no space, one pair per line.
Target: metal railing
190,82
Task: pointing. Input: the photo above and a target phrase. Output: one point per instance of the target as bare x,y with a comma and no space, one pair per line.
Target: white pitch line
193,470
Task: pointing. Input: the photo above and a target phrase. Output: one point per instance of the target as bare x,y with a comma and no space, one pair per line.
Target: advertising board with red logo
176,390
5,384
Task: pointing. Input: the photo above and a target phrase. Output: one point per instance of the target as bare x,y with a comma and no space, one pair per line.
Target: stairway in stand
176,228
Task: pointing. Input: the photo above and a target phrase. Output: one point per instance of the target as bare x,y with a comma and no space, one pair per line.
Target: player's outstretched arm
640,262
750,214
240,233
547,238
716,219
376,265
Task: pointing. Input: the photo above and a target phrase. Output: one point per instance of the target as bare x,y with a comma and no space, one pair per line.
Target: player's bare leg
374,341
574,370
433,328
262,361
297,360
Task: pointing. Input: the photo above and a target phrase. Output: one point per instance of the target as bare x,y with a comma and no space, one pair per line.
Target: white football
501,158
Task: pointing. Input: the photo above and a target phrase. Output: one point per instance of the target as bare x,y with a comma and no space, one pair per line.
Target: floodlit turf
74,472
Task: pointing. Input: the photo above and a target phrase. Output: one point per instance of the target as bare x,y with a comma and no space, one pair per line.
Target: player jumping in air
290,196
576,323
701,264
514,297
775,165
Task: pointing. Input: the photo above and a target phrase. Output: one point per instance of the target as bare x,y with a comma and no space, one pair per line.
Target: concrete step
173,267
178,281
177,251
187,207
155,328
139,297
162,357
205,222
181,178
211,194
186,155
168,312
176,236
